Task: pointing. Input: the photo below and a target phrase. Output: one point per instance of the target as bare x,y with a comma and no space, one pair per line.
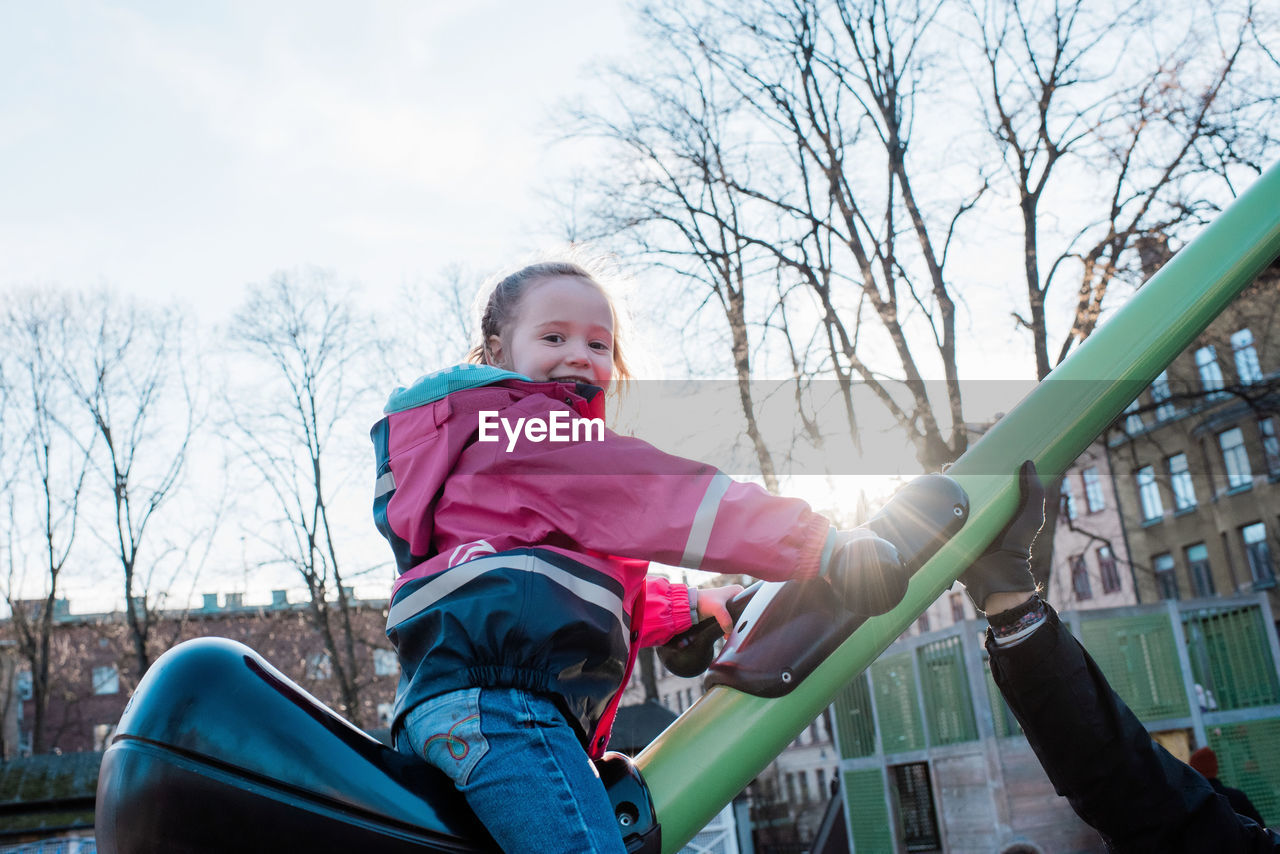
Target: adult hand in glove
1005,568
866,571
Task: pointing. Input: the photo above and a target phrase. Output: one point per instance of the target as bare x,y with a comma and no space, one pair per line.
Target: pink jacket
541,547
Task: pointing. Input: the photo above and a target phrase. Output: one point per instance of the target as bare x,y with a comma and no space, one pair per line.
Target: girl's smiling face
563,330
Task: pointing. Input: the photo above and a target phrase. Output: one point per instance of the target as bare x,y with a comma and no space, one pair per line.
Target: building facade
92,672
1091,565
1197,460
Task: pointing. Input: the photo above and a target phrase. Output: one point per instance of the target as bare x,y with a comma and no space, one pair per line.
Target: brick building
1091,566
92,672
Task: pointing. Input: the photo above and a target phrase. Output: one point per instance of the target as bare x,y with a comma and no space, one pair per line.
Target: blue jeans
520,767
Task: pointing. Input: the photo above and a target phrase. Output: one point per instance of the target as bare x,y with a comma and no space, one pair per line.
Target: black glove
1006,565
866,571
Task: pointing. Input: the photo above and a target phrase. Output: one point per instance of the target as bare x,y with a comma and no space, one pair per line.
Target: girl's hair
504,302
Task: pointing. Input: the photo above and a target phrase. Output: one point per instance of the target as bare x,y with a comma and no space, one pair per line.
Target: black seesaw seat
218,751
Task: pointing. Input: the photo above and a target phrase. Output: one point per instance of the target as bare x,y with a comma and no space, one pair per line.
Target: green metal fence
944,683
1138,656
855,725
1247,759
868,811
898,711
1002,718
1231,658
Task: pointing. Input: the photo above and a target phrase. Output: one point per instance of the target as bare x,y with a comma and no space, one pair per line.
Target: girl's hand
712,602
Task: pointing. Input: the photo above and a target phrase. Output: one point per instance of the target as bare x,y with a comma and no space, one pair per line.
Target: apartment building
1197,460
92,672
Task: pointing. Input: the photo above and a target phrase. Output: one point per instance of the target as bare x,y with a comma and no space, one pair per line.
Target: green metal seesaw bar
715,749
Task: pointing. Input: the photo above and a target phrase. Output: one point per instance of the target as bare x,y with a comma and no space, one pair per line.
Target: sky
185,150
181,151
177,151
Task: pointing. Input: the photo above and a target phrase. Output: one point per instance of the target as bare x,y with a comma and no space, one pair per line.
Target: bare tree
47,461
847,165
431,324
786,99
1162,134
306,342
679,204
133,382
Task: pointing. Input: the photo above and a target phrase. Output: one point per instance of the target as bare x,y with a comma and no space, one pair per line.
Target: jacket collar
434,386
439,384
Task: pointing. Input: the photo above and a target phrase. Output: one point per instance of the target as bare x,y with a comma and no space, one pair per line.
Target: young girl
522,551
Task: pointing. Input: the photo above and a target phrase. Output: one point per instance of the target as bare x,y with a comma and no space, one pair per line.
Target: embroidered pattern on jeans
453,743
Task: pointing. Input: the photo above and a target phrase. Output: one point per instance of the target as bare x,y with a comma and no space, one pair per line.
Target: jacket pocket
445,732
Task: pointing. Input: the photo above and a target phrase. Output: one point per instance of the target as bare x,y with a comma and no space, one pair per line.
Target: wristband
1011,626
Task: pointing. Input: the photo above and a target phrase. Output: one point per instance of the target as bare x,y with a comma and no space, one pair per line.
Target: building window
385,712
1162,396
1247,367
1184,493
957,607
102,736
1198,569
790,785
917,817
1235,457
822,783
1270,444
805,795
24,685
1132,420
1107,569
1080,577
1149,494
319,666
1210,370
1166,579
386,662
1258,552
922,622
1093,498
1069,500
106,679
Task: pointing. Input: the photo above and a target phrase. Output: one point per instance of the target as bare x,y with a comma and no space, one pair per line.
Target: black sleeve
1242,805
1098,755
